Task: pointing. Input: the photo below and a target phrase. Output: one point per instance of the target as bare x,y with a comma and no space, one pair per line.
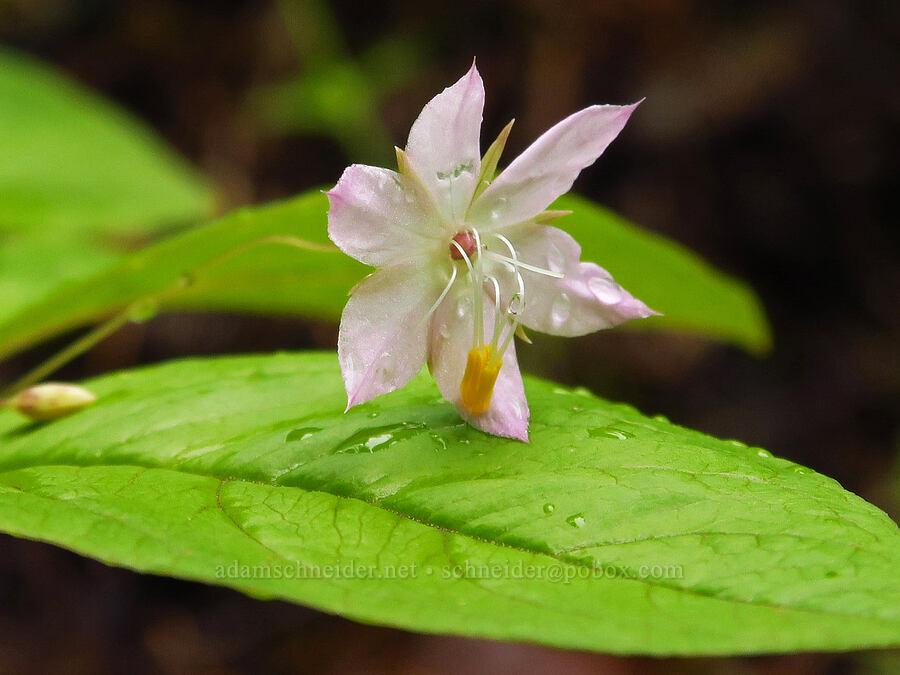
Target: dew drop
518,409
444,331
301,434
609,432
561,309
373,415
763,453
555,260
606,291
462,307
661,418
549,508
374,439
576,520
738,444
800,470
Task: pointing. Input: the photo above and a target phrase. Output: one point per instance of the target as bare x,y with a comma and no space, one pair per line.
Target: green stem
114,323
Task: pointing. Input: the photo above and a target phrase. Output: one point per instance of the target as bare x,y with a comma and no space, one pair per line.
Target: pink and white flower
463,258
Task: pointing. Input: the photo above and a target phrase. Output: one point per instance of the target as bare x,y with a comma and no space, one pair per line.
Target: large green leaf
610,531
70,160
272,279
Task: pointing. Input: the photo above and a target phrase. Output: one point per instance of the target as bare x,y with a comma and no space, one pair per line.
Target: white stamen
442,295
498,318
478,289
525,266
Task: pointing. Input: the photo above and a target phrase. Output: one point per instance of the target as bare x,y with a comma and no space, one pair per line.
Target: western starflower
464,260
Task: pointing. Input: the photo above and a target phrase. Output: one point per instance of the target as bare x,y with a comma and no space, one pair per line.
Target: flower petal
548,167
383,338
451,340
586,300
376,217
443,147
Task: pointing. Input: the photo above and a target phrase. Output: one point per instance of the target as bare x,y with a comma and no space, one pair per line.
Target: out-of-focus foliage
336,94
77,176
70,161
611,531
693,296
281,280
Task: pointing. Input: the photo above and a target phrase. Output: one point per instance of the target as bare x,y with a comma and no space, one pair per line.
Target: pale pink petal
586,300
451,339
383,340
548,167
376,217
443,147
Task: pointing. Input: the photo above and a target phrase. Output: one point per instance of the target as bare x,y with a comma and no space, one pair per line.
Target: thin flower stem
111,325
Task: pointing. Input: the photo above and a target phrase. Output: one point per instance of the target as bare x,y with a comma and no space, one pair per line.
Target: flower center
486,358
465,243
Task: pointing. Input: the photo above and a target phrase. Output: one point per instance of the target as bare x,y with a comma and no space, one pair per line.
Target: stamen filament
478,290
442,295
525,266
497,315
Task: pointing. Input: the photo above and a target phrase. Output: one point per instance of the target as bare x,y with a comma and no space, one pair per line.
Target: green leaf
267,280
70,160
35,264
693,296
611,531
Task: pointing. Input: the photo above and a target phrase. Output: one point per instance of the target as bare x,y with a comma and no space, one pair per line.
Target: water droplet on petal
606,291
462,307
549,508
561,310
576,520
444,331
555,259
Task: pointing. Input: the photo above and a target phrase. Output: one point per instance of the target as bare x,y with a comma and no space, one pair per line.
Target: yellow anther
478,381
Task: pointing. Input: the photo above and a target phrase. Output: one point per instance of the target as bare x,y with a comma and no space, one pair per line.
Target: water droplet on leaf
549,508
301,434
609,432
576,520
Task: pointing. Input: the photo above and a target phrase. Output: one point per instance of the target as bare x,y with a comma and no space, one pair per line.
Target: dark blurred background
768,143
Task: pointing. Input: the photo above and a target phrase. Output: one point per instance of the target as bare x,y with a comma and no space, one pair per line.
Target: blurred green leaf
693,296
282,280
70,161
76,176
32,265
611,531
336,94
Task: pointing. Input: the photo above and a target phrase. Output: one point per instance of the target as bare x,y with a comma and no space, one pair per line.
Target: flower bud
50,401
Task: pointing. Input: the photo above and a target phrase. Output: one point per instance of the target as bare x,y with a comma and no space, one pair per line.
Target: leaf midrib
443,529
